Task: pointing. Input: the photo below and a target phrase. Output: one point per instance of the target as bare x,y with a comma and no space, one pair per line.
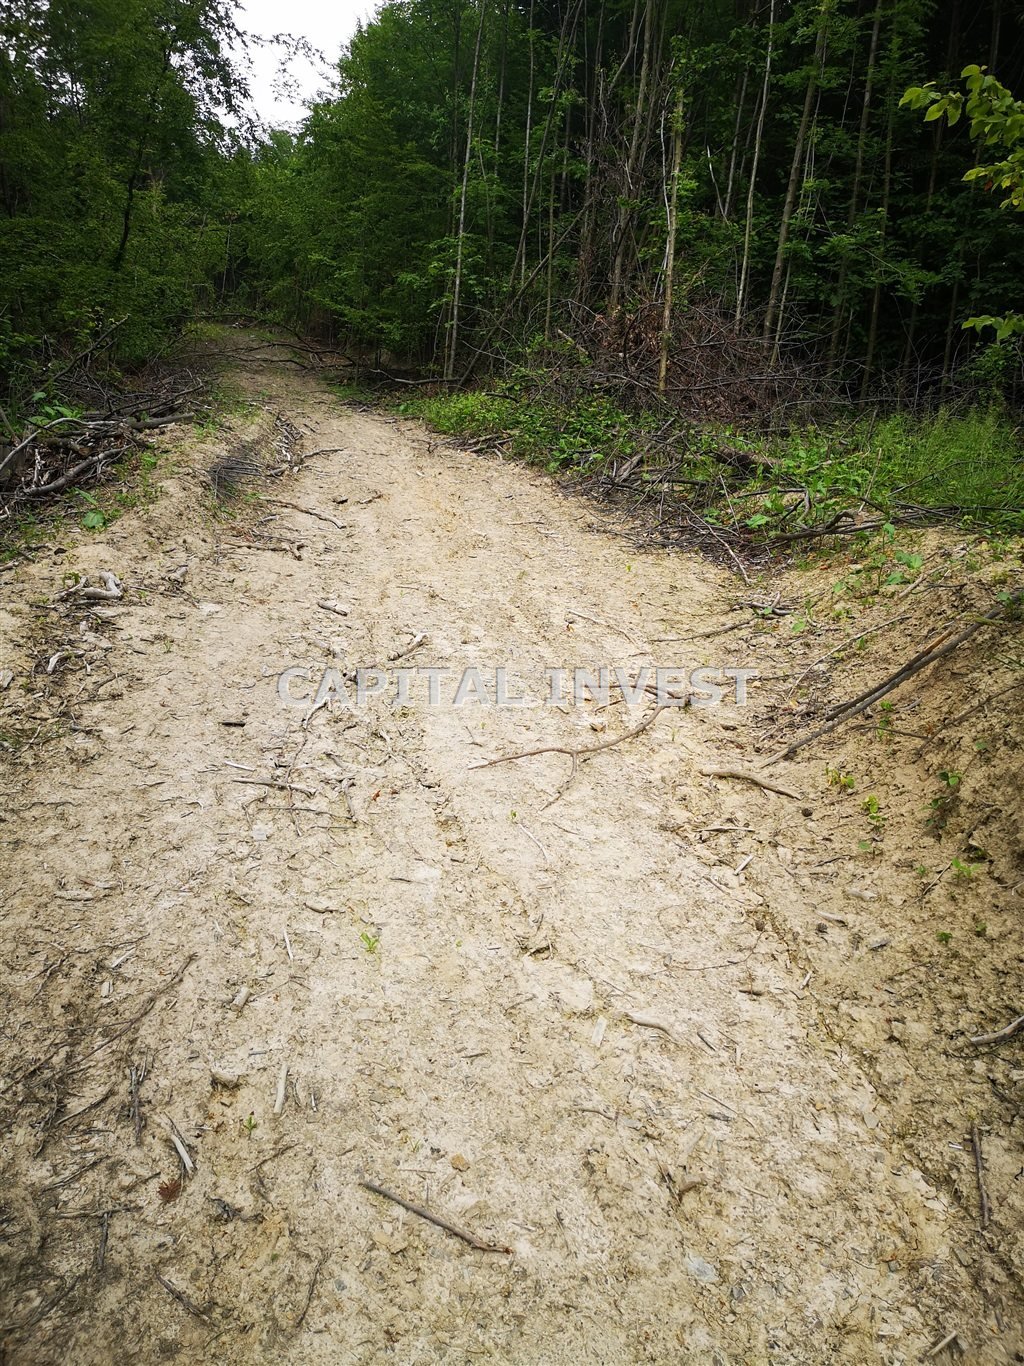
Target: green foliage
969,464
996,122
110,167
964,870
837,778
970,461
95,518
537,428
497,174
360,227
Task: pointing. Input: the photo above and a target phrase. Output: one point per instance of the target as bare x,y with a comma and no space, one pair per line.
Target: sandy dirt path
543,1020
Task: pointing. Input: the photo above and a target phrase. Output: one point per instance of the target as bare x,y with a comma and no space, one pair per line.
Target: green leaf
911,561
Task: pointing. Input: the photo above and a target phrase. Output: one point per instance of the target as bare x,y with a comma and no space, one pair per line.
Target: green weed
837,778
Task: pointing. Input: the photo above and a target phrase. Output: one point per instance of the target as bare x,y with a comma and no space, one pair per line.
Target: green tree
996,121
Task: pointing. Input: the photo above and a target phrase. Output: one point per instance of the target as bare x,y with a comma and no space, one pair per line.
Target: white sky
326,24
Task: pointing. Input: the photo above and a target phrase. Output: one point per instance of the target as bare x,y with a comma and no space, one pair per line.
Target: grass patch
226,406
974,462
965,469
353,393
583,436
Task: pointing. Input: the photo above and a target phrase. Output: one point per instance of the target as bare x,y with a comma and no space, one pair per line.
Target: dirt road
545,1020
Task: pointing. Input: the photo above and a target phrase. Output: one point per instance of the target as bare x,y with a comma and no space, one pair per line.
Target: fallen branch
1007,1032
182,1299
136,1076
944,646
419,639
308,512
744,775
279,784
576,755
985,1207
150,1001
332,605
111,590
151,424
957,720
845,644
178,1144
946,1341
837,526
282,1086
619,630
438,1220
309,1291
73,474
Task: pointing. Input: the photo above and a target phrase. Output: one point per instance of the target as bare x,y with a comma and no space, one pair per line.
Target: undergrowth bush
967,467
538,430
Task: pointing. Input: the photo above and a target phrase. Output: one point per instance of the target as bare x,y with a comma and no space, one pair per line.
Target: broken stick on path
758,779
576,754
437,1219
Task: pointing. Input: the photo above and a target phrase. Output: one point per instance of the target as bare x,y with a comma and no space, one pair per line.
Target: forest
660,181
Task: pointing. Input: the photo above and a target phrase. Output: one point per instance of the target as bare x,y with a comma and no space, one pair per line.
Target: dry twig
436,1219
1005,1033
744,775
309,1292
985,1207
182,1299
150,1001
576,755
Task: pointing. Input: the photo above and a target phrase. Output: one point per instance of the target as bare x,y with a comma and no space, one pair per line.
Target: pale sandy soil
713,1118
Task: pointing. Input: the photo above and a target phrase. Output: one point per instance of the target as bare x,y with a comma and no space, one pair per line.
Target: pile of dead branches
718,372
72,447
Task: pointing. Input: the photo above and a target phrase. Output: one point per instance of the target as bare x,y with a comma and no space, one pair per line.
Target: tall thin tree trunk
741,100
947,355
670,241
502,63
550,282
133,178
858,174
530,193
526,151
453,330
997,19
794,171
741,292
453,122
632,159
876,298
908,352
